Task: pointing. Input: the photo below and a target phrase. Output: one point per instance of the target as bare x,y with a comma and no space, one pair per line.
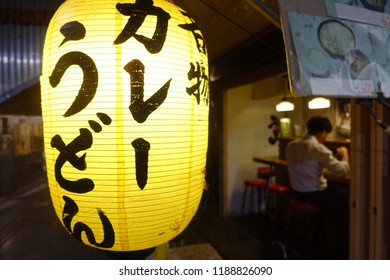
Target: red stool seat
265,172
305,207
278,188
255,183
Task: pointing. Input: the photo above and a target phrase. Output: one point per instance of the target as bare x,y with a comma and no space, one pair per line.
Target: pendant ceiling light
319,103
284,106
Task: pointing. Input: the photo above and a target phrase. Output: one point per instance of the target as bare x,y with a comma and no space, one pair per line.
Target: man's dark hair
318,124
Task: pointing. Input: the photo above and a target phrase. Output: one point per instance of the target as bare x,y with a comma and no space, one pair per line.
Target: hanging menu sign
331,55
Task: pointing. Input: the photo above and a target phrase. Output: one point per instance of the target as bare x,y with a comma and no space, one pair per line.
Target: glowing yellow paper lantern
125,110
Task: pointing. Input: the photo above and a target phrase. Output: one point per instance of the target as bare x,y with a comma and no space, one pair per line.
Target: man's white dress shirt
306,160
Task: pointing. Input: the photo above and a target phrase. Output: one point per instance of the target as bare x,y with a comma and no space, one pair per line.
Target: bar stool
266,173
253,184
279,192
312,219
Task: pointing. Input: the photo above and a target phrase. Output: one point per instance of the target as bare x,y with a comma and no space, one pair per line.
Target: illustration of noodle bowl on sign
318,62
359,65
375,5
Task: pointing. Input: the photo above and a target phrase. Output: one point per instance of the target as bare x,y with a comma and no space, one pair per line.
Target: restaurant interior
249,78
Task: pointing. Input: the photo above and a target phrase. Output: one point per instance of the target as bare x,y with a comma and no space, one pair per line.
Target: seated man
306,159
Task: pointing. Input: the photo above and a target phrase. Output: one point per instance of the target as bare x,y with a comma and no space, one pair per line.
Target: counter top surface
271,160
276,161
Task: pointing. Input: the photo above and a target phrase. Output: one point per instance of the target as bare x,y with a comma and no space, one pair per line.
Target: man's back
306,160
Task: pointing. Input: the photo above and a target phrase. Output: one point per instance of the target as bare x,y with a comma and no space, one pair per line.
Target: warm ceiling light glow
284,106
125,98
319,103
